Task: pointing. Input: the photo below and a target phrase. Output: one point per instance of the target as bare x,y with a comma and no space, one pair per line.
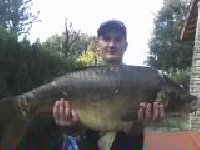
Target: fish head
190,102
180,105
177,99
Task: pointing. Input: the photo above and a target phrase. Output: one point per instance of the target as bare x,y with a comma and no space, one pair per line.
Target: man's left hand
149,113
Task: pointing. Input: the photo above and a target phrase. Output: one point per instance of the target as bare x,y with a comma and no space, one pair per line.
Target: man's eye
118,39
106,38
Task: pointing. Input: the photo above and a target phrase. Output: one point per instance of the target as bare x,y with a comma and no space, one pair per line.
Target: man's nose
112,43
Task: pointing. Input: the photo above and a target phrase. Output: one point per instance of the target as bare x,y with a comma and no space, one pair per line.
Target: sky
87,15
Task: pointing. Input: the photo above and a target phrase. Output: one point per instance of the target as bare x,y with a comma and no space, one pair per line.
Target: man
112,43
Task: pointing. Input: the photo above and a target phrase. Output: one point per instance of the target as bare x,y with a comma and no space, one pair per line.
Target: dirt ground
180,140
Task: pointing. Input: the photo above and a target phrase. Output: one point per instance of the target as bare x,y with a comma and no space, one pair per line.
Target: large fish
107,98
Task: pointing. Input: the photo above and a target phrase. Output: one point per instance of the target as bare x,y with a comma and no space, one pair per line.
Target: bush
24,66
181,77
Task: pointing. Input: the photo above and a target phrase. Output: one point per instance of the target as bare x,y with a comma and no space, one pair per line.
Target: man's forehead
113,34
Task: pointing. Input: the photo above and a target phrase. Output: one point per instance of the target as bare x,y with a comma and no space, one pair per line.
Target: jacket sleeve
126,142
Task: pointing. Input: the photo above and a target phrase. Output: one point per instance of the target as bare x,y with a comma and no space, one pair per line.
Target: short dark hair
111,25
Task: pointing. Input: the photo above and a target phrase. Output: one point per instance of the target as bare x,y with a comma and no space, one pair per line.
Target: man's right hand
63,113
149,113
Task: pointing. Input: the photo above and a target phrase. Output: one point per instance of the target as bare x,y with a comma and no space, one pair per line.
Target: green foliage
181,77
16,16
166,49
90,56
76,44
24,66
70,44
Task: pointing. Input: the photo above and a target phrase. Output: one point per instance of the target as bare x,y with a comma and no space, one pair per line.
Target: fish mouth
186,110
194,105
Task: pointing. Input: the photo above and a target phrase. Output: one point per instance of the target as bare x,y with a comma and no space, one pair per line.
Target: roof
180,140
189,28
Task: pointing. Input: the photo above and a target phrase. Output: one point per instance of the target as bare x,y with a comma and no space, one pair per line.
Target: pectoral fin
12,132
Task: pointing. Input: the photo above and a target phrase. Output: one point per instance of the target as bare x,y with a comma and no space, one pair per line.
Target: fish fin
13,132
126,116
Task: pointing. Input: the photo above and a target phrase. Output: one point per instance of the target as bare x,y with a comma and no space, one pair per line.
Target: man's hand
63,113
148,113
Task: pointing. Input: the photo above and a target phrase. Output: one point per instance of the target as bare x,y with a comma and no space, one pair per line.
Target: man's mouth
112,52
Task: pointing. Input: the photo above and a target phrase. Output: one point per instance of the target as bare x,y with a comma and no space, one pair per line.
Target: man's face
112,46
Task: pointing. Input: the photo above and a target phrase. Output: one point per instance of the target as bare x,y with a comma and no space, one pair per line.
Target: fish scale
107,98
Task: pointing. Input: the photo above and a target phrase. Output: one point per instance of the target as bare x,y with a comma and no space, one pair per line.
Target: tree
74,41
91,55
71,37
70,44
166,49
16,16
53,44
24,66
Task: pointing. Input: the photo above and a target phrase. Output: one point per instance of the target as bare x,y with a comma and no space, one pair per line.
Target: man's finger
54,112
162,111
155,111
143,104
68,110
57,119
140,114
56,109
62,110
75,116
148,112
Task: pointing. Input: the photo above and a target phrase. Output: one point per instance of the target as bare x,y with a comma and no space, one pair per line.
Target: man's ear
125,46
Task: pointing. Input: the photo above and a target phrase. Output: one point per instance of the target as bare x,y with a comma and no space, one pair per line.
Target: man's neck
112,62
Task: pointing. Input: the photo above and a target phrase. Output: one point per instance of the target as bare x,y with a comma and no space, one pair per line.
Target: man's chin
113,58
